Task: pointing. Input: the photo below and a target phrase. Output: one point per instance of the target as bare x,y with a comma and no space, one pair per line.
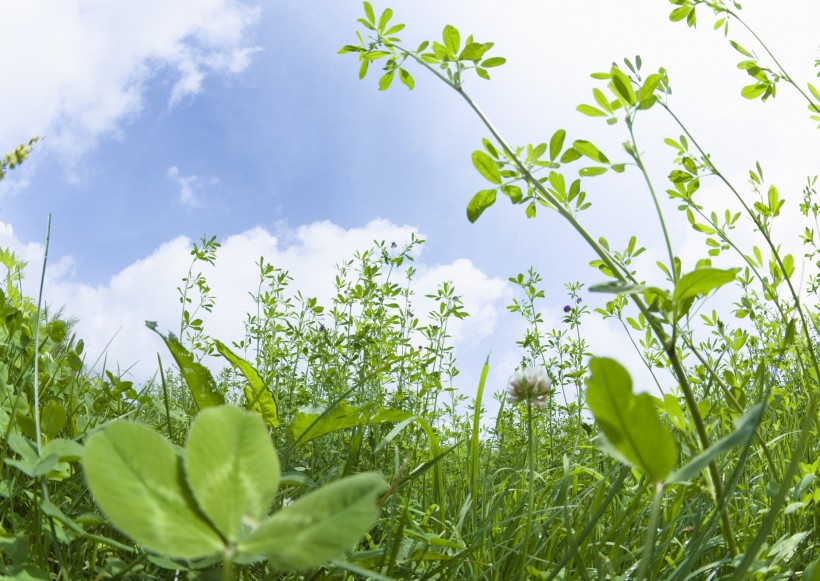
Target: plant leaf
630,422
702,281
306,426
486,167
137,480
259,397
196,376
480,202
318,526
232,468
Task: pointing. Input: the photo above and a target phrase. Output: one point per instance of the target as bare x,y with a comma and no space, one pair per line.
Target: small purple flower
567,308
578,301
393,245
531,386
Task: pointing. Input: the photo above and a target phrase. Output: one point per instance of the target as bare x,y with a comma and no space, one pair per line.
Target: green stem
637,157
644,572
530,499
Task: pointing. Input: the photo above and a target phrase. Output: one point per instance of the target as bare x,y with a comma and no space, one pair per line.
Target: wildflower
393,245
567,308
531,386
578,301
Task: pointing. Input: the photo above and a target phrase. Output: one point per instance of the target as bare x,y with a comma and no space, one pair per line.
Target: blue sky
162,122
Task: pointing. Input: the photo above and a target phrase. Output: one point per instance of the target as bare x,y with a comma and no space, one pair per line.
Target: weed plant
576,477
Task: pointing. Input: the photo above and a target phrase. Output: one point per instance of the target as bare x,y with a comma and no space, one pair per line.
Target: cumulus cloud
80,68
116,311
188,185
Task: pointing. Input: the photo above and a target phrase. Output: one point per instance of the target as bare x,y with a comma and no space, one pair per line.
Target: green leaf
486,167
407,79
745,427
634,432
259,397
513,192
308,426
473,52
814,91
740,49
495,61
623,86
570,155
137,481
680,13
480,202
589,172
385,18
617,287
196,376
317,527
53,419
452,40
65,450
701,282
482,73
232,468
590,111
556,143
368,12
753,91
386,80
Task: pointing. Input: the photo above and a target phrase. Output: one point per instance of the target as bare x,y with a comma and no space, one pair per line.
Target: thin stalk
644,572
522,570
37,342
637,157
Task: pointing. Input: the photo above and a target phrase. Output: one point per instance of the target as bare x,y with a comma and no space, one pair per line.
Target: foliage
713,476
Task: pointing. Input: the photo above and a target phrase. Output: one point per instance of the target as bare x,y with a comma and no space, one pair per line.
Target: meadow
336,445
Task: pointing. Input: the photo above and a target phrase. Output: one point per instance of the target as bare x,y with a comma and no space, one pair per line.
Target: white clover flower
531,386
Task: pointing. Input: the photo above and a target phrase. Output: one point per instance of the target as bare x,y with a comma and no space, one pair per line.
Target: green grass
527,493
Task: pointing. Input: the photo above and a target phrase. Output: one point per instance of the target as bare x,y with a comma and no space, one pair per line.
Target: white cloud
188,185
147,289
80,68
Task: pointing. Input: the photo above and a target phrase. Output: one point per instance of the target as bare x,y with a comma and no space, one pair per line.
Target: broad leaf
702,281
630,422
318,526
232,468
137,480
259,398
196,376
306,427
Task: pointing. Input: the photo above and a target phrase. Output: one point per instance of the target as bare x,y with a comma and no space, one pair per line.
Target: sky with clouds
161,122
